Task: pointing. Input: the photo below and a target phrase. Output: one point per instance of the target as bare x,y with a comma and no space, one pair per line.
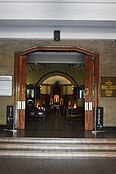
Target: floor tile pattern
57,166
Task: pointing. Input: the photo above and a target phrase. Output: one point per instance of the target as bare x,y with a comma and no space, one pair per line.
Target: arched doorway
58,79
91,82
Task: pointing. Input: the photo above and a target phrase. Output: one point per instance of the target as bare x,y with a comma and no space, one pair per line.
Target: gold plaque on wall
108,86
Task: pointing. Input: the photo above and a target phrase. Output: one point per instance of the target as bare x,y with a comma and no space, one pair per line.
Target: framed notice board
5,85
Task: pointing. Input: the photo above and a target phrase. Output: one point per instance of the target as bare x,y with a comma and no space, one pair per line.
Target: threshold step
56,140
100,147
36,154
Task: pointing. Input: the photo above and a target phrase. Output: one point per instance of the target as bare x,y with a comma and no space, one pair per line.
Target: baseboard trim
109,128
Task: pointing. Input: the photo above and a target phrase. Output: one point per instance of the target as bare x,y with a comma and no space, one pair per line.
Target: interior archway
57,73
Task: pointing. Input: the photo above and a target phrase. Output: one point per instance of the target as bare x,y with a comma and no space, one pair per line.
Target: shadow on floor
56,126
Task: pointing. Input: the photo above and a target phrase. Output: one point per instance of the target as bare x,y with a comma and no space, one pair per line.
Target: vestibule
91,81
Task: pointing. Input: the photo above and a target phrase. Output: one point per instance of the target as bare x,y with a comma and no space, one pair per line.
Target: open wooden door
89,93
20,90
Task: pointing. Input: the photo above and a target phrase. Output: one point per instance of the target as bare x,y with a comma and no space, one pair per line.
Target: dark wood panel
57,48
89,124
97,79
21,92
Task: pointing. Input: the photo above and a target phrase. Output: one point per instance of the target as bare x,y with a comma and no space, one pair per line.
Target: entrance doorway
59,96
91,82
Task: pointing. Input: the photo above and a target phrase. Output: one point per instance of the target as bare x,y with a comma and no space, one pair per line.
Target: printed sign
99,118
108,86
5,85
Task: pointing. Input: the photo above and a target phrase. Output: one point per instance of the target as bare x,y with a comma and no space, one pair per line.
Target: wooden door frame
18,97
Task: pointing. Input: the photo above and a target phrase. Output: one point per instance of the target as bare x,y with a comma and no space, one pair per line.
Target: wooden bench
75,112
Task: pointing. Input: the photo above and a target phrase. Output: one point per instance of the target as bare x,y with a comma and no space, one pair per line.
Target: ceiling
76,19
55,57
38,60
69,29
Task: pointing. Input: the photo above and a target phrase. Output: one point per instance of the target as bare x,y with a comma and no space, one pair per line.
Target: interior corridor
55,125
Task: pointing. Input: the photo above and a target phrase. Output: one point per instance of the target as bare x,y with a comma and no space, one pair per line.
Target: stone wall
106,50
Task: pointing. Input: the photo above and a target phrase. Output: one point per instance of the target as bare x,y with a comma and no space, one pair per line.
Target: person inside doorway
56,108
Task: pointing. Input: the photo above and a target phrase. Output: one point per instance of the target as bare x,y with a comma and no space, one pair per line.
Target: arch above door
92,81
57,73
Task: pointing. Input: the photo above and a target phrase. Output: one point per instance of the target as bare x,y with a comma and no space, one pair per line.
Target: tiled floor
56,126
57,166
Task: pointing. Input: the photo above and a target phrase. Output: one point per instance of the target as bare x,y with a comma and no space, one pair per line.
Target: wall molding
94,19
57,1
